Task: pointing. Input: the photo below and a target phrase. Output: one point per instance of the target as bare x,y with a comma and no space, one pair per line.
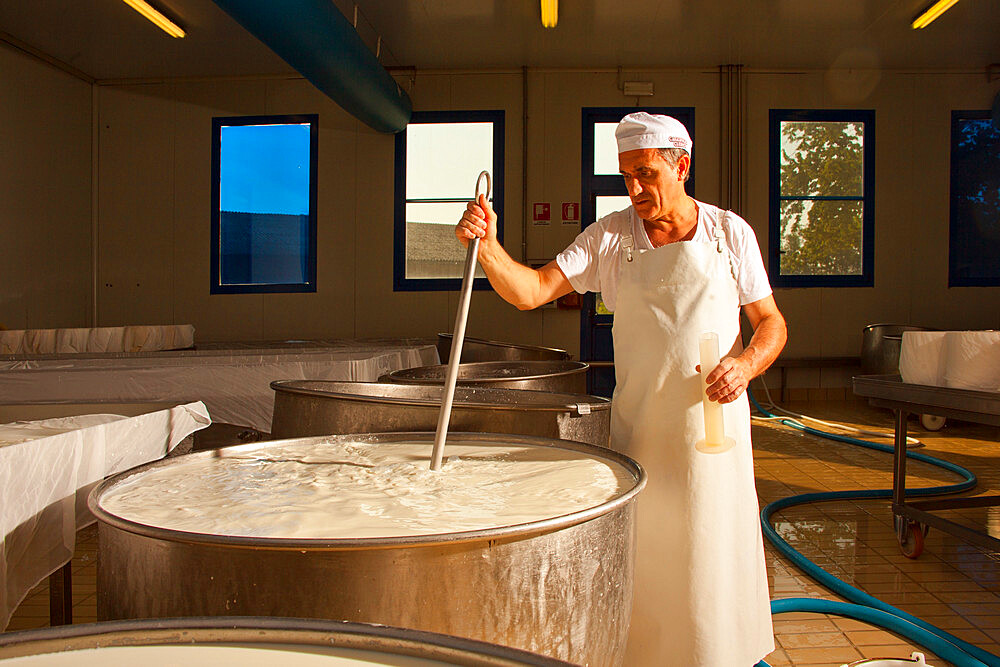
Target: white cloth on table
47,469
955,359
235,384
97,339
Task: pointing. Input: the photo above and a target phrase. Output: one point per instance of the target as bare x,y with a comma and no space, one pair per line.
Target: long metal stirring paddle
461,318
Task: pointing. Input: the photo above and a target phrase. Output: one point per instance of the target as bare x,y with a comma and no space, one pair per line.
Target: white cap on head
642,130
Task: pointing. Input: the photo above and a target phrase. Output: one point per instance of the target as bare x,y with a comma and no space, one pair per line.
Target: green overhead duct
321,44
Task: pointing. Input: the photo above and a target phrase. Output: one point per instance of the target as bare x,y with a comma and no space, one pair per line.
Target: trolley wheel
932,422
912,542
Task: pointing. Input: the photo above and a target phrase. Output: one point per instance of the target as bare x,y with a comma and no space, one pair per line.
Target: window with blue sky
264,201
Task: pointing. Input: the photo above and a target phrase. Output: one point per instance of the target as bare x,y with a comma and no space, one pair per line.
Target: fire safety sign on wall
571,212
542,215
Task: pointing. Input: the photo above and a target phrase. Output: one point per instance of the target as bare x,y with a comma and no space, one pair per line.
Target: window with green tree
822,198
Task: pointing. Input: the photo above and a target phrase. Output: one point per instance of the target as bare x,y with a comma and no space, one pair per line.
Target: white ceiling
107,40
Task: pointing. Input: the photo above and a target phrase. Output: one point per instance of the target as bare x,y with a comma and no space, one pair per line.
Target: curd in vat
340,489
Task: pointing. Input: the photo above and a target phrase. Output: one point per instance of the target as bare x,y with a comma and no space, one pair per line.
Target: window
264,204
974,248
822,198
438,158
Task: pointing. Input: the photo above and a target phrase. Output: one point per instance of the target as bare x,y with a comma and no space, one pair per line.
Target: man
672,268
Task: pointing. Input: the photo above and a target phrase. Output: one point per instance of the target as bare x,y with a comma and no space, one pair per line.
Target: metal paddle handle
458,337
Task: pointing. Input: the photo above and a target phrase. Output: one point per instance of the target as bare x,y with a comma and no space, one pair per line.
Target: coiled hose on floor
867,608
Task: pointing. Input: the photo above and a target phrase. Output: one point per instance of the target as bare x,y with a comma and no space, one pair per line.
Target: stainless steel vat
479,349
568,377
880,347
282,638
311,407
561,587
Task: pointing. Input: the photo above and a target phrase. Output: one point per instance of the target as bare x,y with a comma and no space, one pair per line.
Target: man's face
653,185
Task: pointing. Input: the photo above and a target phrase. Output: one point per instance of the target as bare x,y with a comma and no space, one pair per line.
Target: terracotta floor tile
812,640
811,626
872,637
833,654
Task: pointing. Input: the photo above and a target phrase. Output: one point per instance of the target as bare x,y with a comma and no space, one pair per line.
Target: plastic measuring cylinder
715,440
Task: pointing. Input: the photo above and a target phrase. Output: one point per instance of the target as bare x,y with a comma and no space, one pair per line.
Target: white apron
701,597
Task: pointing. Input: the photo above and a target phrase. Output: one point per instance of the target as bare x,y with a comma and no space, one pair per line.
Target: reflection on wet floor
952,585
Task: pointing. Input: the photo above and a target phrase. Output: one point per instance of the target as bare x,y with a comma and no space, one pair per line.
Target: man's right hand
478,221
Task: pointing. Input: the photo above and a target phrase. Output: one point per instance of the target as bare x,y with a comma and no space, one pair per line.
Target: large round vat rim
593,402
547,525
266,630
500,343
569,368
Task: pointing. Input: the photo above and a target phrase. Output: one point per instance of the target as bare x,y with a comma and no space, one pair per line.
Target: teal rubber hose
940,642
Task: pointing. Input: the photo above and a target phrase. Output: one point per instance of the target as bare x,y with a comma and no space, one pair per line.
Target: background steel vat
880,347
561,586
568,377
479,349
320,407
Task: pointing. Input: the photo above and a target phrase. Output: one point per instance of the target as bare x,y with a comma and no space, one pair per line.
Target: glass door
604,193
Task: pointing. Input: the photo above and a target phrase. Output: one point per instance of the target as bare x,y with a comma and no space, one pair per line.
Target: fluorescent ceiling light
550,13
932,12
161,21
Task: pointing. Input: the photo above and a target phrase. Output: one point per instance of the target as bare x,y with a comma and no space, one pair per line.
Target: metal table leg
899,476
61,595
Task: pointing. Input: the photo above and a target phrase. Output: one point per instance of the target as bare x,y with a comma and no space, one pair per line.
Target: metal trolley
912,518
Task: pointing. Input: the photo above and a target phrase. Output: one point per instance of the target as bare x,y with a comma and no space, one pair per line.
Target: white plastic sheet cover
921,356
47,469
972,360
956,359
95,340
235,384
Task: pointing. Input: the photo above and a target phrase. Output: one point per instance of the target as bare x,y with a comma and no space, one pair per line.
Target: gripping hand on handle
478,221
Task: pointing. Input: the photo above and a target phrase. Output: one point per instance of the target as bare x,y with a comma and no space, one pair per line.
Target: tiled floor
952,585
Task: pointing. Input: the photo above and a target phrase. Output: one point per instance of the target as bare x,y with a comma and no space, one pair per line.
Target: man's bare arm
731,377
516,283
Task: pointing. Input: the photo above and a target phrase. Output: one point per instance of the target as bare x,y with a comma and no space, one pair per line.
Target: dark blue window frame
867,276
217,286
400,282
595,328
964,241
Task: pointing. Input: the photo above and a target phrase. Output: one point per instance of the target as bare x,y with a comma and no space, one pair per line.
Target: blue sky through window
265,169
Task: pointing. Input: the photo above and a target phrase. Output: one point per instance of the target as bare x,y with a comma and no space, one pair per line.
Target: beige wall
45,195
153,205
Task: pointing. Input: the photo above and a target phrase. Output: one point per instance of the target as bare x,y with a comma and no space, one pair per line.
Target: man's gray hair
672,156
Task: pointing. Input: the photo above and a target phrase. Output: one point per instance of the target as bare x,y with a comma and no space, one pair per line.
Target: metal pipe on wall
524,164
732,130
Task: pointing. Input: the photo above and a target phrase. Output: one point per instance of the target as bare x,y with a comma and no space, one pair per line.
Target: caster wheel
932,422
912,545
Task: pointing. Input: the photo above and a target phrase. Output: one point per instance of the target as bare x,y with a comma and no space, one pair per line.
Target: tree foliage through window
822,197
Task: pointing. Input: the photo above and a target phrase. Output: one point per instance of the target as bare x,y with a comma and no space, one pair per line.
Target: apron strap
720,236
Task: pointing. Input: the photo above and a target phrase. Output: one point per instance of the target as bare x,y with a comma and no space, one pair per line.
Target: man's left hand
729,379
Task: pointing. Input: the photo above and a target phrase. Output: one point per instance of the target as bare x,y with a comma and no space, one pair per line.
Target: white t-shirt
591,262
